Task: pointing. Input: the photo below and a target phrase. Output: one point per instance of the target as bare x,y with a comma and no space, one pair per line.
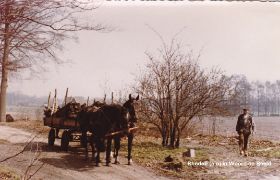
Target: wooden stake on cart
104,100
87,101
54,103
66,96
112,98
49,100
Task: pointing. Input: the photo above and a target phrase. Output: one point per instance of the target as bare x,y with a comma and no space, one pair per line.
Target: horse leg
117,145
130,139
92,149
97,158
84,143
56,132
108,151
97,143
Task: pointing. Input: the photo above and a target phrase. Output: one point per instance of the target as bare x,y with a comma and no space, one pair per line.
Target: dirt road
60,165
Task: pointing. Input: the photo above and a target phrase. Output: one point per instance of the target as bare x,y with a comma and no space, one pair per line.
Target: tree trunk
167,135
163,136
177,144
4,80
172,137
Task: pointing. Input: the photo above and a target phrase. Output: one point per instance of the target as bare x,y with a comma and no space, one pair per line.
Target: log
122,131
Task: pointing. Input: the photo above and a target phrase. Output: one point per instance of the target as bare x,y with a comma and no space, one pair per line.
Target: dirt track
61,165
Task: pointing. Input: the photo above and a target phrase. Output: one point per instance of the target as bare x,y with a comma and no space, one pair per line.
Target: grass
268,153
265,148
149,152
3,141
6,173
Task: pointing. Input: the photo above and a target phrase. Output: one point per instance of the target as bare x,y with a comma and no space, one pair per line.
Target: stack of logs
69,110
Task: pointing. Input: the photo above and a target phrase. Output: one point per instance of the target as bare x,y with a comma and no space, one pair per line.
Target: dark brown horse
132,119
86,117
107,119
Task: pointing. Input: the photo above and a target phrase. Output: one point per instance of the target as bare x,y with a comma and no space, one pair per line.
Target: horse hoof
97,165
130,162
108,164
117,162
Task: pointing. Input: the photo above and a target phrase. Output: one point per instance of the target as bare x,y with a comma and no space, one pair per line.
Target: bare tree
175,89
241,95
31,32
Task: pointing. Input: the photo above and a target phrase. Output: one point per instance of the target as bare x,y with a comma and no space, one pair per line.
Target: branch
20,152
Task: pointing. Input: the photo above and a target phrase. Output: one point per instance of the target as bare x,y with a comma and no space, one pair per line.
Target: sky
237,37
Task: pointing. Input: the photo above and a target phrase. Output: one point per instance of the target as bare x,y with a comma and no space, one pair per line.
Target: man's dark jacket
245,123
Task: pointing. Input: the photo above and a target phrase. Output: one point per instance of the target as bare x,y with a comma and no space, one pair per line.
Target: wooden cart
70,127
71,131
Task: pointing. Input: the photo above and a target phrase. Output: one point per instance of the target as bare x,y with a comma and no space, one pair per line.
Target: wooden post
66,96
112,98
87,101
49,100
54,102
104,100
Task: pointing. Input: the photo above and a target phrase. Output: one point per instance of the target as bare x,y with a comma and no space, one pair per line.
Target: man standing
244,127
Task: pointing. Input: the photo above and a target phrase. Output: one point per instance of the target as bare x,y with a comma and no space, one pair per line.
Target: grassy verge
257,147
269,153
6,173
149,152
265,148
3,141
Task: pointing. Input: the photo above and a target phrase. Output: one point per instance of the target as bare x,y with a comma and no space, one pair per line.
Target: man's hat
245,109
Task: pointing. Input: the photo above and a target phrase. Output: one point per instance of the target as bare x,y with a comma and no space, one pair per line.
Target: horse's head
129,106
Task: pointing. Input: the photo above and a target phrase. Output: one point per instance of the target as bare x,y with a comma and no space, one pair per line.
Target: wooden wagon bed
61,123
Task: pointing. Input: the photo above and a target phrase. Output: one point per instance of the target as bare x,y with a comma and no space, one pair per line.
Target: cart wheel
51,137
65,140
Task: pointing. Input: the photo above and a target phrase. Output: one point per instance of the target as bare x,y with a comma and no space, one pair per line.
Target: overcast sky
240,38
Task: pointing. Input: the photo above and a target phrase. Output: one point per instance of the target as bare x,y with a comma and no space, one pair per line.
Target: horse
106,119
86,117
109,118
132,120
